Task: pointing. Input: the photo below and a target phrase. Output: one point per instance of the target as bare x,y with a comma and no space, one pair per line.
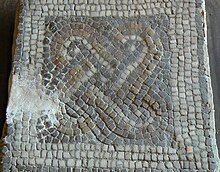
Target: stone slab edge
209,85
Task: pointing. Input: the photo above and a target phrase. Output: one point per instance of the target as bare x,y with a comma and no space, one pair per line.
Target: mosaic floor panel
111,86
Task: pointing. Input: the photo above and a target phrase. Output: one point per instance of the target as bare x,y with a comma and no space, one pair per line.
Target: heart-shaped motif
100,71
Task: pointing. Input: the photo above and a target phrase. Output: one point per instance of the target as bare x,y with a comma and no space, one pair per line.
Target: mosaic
105,85
111,75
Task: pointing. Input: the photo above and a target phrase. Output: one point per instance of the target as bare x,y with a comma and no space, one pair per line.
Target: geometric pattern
111,75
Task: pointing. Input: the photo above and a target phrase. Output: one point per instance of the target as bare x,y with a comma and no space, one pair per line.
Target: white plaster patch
26,98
